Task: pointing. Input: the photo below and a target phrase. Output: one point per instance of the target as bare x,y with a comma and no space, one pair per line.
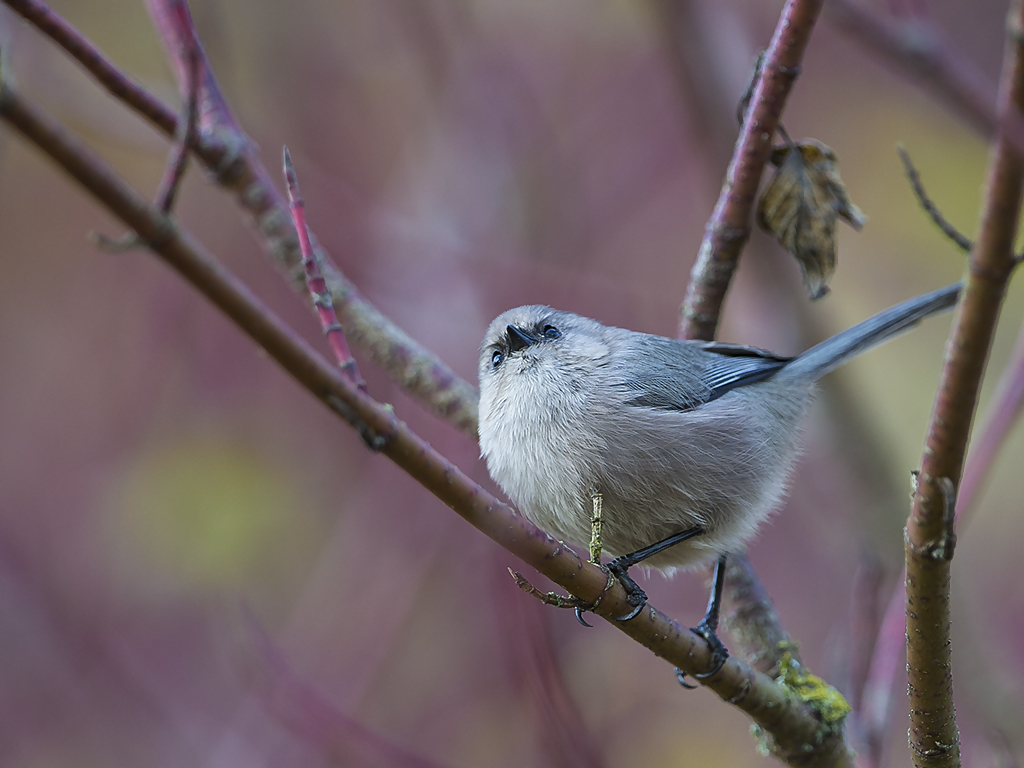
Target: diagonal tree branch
789,724
729,227
934,738
227,154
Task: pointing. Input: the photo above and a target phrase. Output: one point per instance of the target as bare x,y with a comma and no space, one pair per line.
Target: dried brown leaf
800,207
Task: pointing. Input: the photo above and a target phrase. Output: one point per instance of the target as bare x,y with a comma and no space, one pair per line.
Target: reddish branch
788,722
887,657
750,616
729,227
315,281
934,738
225,152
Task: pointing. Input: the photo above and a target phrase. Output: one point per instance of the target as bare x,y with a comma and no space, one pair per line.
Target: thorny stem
729,227
777,710
934,737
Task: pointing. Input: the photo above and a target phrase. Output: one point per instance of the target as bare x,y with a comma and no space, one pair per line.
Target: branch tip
961,241
291,179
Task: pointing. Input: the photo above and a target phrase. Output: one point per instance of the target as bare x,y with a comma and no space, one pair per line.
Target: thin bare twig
225,152
415,368
729,227
315,280
961,241
174,172
54,26
186,135
700,69
787,721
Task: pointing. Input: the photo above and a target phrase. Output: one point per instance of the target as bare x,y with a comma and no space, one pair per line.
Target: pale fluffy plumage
672,434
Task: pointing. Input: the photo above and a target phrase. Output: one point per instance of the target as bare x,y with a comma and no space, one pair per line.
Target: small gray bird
689,444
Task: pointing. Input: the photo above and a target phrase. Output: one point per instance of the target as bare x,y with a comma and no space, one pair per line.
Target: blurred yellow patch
204,515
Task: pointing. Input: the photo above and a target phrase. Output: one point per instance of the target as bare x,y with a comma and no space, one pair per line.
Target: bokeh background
199,565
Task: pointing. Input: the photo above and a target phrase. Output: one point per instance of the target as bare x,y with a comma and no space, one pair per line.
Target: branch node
315,282
561,601
375,441
940,549
549,598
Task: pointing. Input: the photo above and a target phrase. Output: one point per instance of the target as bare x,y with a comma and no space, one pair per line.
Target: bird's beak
517,339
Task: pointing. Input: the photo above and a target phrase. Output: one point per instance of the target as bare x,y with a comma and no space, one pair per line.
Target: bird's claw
634,613
719,655
634,594
681,678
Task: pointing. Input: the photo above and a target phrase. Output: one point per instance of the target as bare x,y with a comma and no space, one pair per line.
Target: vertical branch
729,227
186,135
934,738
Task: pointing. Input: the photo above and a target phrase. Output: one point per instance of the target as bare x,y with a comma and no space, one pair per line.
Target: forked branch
786,721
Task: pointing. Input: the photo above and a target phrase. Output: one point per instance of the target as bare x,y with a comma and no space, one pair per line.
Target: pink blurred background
199,565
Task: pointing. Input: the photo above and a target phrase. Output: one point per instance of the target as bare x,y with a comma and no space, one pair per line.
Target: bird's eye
496,358
551,332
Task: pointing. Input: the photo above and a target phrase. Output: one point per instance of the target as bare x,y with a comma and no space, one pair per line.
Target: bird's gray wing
682,375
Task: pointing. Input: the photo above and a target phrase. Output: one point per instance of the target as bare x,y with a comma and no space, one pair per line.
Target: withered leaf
800,207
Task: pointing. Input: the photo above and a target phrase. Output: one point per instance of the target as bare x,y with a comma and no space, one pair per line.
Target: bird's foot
634,595
719,654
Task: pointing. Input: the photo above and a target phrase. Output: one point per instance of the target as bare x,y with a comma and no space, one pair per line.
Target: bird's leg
709,624
620,565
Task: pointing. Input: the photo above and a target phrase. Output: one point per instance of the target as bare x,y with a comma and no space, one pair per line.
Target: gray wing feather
682,375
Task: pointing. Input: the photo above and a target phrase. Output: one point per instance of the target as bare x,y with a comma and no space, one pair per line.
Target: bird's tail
833,352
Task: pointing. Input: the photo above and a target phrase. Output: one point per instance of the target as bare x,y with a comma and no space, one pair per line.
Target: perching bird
688,444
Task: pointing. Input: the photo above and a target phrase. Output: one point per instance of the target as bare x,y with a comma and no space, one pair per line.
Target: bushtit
688,445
